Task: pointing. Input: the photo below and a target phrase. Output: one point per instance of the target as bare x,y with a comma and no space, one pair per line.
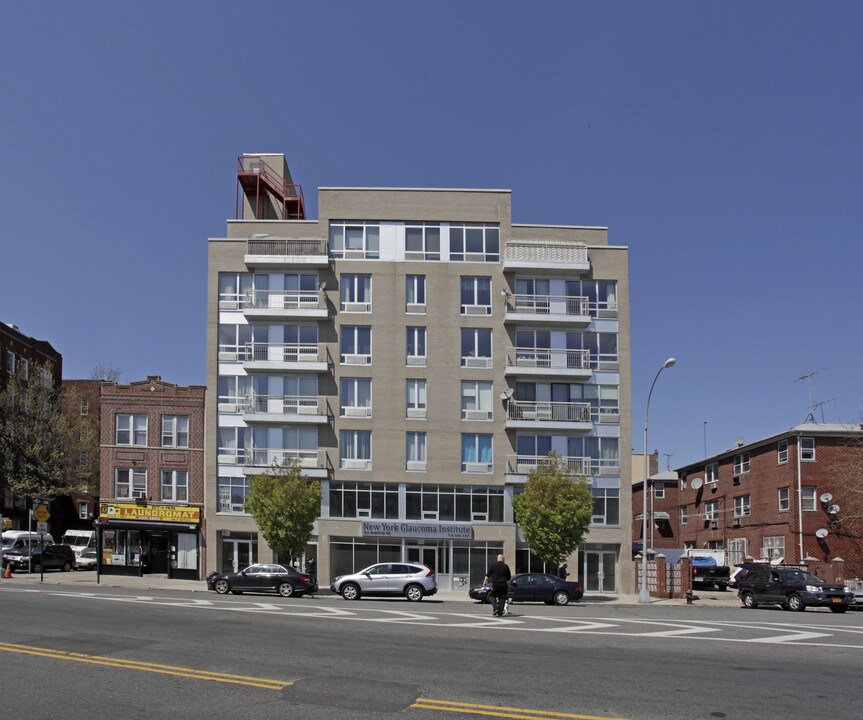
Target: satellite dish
740,442
822,533
833,509
826,498
506,394
696,483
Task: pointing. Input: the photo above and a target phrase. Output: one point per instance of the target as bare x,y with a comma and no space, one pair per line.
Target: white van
20,540
79,540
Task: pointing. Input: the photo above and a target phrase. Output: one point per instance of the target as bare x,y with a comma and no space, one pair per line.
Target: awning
146,525
658,515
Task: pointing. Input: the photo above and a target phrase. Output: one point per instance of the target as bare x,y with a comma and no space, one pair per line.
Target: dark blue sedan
536,587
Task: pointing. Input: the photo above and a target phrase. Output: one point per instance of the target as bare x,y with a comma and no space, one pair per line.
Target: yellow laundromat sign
157,513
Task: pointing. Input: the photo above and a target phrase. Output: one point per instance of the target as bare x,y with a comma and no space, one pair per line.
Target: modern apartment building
418,353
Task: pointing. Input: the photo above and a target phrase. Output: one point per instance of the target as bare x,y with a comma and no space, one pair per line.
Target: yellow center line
193,673
499,711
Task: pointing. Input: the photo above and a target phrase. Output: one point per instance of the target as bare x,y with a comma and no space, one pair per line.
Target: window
175,431
474,242
356,240
782,452
476,400
736,551
356,293
85,407
234,288
356,345
741,506
25,369
232,494
684,515
807,449
232,445
83,511
175,485
415,294
355,397
416,398
131,430
458,503
422,241
475,296
476,453
10,362
415,450
659,491
784,501
476,347
711,473
741,463
416,346
371,500
130,483
711,511
236,342
773,548
606,506
355,449
808,502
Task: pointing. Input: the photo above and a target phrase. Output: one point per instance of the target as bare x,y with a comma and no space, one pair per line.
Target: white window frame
428,251
489,240
175,430
416,451
473,394
350,447
659,491
736,551
415,294
773,547
711,511
416,346
742,506
807,449
474,307
129,423
349,336
355,293
784,499
83,511
808,498
351,392
224,487
135,482
177,485
85,407
417,406
368,247
24,368
684,515
473,359
711,473
782,452
741,463
477,466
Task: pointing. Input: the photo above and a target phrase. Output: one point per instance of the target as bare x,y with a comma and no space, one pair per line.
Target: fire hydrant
691,597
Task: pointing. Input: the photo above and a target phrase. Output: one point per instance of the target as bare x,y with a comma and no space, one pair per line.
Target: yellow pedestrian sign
41,514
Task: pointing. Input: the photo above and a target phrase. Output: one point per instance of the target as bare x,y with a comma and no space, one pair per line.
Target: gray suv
409,580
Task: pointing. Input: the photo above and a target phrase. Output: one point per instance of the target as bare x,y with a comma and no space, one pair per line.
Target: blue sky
720,142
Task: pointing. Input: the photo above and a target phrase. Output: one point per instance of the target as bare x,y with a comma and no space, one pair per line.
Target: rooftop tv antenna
810,417
668,457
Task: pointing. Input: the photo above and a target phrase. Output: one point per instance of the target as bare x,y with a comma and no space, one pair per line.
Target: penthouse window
422,241
357,240
474,242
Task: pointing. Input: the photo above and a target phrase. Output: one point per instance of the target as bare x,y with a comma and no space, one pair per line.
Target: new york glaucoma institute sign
453,531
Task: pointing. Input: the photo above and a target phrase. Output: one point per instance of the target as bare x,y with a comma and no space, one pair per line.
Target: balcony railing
549,305
284,300
282,405
294,247
522,464
282,352
546,252
574,412
548,358
261,457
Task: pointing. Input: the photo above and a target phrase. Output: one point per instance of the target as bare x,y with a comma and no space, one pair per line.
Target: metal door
600,571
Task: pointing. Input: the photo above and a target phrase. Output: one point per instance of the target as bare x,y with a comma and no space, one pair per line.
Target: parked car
286,581
536,587
743,569
52,557
793,589
86,559
409,580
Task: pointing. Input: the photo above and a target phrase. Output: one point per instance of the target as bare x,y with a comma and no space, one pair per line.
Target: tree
285,504
106,372
846,473
554,510
37,441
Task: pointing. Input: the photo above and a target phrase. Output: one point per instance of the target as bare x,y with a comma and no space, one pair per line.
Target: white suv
409,580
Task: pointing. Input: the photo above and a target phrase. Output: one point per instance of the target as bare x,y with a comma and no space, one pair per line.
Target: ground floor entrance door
159,552
424,554
236,554
600,571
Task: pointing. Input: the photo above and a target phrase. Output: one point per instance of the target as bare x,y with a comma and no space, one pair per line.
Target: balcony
300,357
314,463
286,409
523,464
546,362
549,255
571,416
263,251
548,309
285,304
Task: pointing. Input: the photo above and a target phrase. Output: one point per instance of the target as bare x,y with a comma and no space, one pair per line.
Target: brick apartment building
81,403
790,496
152,479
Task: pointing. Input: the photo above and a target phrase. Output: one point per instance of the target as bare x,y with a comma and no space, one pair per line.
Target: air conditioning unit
228,407
356,464
714,524
416,412
477,310
358,412
357,307
476,467
416,465
735,480
415,308
417,361
227,459
476,414
736,522
227,357
358,359
307,410
477,362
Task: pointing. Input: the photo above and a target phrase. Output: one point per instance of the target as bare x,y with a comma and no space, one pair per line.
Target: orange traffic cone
8,572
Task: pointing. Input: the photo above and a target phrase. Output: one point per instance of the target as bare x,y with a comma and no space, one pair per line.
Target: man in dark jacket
498,576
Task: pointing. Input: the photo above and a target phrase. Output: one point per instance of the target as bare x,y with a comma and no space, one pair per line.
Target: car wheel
795,602
414,593
222,587
561,597
286,589
67,566
838,608
749,600
350,591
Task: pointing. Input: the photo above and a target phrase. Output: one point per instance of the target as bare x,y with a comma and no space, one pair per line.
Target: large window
236,342
741,506
415,399
741,463
454,503
711,511
131,430
356,293
232,494
474,242
808,501
364,500
130,483
807,449
355,449
422,241
711,473
773,548
415,450
736,551
476,347
476,296
175,485
606,506
355,240
476,453
232,445
416,346
355,397
415,294
175,431
476,400
356,345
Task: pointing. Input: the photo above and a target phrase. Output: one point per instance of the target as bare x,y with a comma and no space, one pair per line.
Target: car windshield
804,577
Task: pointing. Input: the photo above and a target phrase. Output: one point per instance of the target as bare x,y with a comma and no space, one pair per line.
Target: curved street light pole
644,593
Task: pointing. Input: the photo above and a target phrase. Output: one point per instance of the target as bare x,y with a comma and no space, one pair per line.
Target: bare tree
846,474
106,373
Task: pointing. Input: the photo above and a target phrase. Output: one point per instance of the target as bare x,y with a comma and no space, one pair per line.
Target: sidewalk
86,581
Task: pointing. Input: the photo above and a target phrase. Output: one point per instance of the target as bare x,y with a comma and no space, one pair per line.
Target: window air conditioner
416,412
477,362
357,359
477,310
736,522
714,524
476,467
476,414
355,464
358,412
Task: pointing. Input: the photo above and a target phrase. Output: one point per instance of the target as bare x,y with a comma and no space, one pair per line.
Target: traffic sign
41,514
42,527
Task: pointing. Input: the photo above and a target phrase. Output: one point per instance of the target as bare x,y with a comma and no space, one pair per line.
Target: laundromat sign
153,513
454,531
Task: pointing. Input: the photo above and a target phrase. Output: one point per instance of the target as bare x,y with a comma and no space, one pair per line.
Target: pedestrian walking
498,576
562,572
311,566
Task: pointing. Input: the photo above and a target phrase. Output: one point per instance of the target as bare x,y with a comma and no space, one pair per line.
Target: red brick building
152,479
794,495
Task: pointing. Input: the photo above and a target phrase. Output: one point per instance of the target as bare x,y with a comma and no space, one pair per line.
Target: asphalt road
114,652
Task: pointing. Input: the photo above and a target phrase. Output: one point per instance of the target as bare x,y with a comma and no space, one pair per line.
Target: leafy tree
554,510
81,462
37,441
285,504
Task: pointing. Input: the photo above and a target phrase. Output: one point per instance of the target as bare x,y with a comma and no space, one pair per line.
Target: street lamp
644,593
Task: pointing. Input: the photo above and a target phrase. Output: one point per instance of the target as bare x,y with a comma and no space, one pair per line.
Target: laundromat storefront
142,539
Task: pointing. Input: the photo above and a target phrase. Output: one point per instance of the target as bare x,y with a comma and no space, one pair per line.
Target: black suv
60,557
793,589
